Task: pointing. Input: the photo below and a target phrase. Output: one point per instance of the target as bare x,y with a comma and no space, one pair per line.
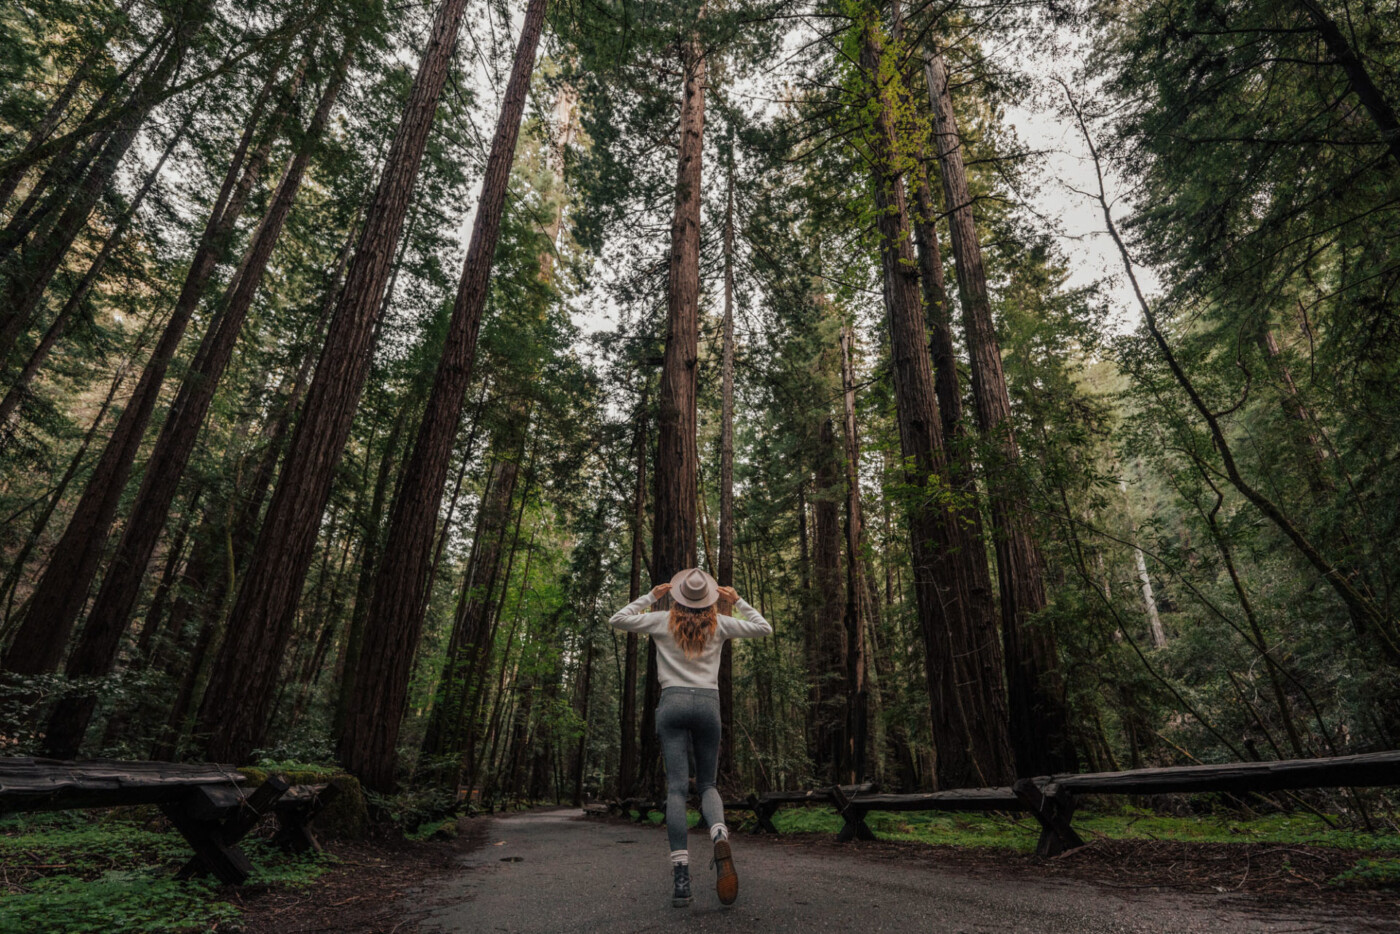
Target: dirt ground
378,885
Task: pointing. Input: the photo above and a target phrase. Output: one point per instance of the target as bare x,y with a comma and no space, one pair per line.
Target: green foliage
1370,874
69,872
117,900
414,808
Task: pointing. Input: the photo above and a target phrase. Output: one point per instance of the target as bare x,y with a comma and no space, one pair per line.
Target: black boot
680,897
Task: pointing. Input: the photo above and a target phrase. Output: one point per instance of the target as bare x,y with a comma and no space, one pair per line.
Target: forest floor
552,870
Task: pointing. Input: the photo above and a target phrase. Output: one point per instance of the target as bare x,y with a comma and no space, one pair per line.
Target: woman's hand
660,590
729,595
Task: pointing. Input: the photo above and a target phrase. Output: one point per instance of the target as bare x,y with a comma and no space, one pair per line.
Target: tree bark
674,524
677,458
627,758
962,658
468,642
368,744
237,704
826,648
857,701
725,570
1040,734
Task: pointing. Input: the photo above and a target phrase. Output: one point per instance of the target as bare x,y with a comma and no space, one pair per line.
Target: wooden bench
208,804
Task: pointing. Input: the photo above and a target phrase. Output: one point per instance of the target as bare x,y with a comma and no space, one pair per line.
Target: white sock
719,832
680,857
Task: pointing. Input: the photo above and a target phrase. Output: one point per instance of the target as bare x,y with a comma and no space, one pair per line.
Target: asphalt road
551,872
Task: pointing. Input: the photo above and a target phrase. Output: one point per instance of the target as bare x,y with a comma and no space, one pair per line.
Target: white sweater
673,669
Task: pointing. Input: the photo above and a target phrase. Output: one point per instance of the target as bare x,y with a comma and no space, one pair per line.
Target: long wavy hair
692,628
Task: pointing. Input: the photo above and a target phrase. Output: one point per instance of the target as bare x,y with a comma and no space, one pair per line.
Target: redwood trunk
1040,733
725,570
826,648
468,643
674,516
627,759
237,704
368,744
958,619
857,700
674,525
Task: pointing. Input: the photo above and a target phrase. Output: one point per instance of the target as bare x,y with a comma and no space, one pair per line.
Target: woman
688,640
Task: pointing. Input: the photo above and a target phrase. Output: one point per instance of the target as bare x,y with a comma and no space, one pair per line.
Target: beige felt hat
694,588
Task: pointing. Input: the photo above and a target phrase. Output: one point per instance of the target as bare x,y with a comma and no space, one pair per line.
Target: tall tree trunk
475,696
857,701
237,704
725,569
674,525
97,647
585,691
368,744
962,657
468,643
41,522
677,457
935,291
370,559
826,647
61,592
1040,734
627,758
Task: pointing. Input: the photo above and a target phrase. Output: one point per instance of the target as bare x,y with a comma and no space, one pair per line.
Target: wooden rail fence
208,804
1052,799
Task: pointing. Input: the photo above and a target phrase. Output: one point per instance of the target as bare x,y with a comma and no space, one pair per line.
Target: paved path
551,872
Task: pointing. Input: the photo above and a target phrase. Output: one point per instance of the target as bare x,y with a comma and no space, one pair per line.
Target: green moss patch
70,872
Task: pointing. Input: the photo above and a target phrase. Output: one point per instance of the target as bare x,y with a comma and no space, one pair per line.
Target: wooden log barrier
1359,771
763,811
295,811
853,825
213,825
1054,812
28,784
958,799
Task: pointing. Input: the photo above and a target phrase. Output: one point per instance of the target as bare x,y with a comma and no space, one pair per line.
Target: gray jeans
689,714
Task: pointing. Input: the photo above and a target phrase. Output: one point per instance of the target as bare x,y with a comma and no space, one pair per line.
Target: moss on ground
69,872
1019,832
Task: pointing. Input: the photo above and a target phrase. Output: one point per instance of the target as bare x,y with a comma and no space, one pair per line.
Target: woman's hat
694,588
